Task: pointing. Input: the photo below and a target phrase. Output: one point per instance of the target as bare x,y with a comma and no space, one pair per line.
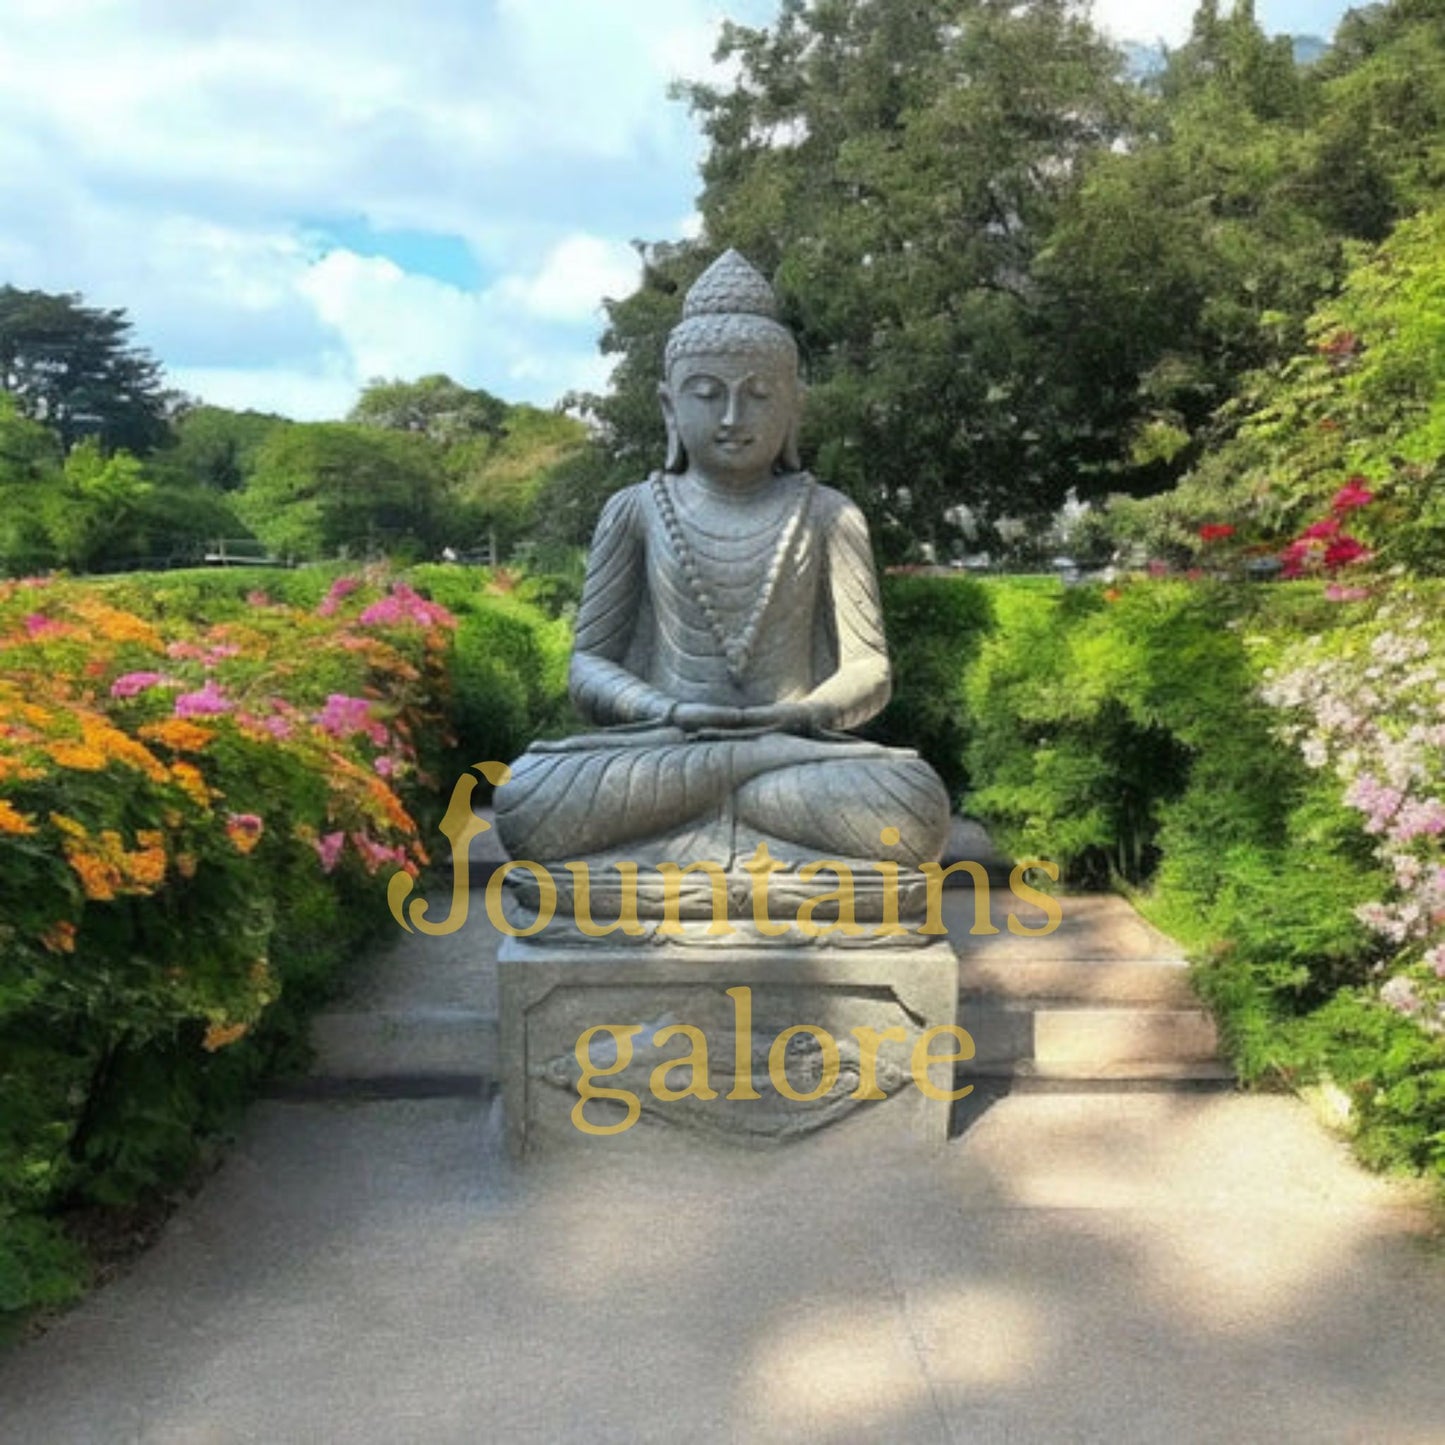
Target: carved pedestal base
873,1025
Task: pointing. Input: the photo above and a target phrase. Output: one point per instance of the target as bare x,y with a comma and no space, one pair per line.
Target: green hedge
935,627
1121,733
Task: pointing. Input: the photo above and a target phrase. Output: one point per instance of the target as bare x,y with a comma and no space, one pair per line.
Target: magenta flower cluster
403,606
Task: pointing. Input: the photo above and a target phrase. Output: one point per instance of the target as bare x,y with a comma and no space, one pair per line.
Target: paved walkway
1105,1266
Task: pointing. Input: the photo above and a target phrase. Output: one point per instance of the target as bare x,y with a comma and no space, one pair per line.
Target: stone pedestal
859,1017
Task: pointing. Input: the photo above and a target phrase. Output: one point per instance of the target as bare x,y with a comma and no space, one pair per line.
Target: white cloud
574,279
180,160
1146,21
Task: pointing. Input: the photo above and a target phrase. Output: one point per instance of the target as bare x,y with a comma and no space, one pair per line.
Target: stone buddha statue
729,633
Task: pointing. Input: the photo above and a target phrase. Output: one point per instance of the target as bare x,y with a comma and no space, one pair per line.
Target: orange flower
218,1036
12,821
13,770
244,830
146,868
1112,594
116,626
107,740
69,826
80,756
98,876
186,865
192,783
178,734
60,938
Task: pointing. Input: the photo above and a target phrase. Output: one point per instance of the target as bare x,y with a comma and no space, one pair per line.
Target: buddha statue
729,634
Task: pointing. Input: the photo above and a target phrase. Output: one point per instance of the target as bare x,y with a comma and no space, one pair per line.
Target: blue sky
292,196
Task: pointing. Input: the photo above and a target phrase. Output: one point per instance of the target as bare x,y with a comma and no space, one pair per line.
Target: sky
291,197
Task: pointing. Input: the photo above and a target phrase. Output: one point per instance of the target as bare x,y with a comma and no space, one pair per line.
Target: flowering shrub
197,818
1369,704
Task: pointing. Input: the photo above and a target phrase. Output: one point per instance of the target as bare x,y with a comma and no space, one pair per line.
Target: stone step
1092,981
412,1042
1143,1071
1039,1032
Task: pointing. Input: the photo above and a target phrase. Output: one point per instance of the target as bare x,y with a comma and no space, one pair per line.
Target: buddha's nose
733,409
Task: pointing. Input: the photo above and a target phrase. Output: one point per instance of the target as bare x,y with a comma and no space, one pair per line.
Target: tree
214,448
1187,258
94,514
322,488
29,451
435,407
496,479
897,168
72,367
1364,401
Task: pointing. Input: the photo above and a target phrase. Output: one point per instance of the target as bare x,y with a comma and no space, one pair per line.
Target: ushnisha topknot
731,310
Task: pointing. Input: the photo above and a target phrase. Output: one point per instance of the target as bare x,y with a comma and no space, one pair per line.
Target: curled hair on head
730,311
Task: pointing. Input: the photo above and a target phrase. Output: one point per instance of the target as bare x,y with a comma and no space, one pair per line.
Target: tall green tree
1188,257
214,447
74,368
897,168
436,407
319,489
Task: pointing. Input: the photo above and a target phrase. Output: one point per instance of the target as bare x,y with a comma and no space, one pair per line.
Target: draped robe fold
644,789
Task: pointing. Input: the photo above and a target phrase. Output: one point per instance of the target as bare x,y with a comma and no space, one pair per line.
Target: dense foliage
1362,406
206,779
1261,765
1014,270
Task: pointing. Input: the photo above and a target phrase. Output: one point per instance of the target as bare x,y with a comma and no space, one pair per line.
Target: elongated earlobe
791,458
676,460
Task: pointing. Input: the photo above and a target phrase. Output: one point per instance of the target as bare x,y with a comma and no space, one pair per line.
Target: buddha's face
732,412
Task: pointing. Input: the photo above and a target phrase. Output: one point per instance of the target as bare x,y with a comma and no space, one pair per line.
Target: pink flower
1435,957
185,651
37,624
133,682
1399,994
376,855
384,765
244,830
342,716
405,605
258,598
1327,528
1353,494
1338,592
209,701
1158,568
278,727
342,587
328,848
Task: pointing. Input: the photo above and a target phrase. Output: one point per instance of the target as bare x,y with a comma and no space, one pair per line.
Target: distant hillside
1143,62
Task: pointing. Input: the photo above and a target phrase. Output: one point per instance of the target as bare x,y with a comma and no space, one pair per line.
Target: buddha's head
731,394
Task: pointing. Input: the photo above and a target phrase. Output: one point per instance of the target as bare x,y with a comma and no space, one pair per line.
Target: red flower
1344,551
1328,528
1215,531
1353,494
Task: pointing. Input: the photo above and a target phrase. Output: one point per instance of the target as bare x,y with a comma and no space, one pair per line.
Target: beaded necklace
737,650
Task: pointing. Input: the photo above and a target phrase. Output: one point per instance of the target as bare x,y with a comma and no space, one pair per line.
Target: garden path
1133,1261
